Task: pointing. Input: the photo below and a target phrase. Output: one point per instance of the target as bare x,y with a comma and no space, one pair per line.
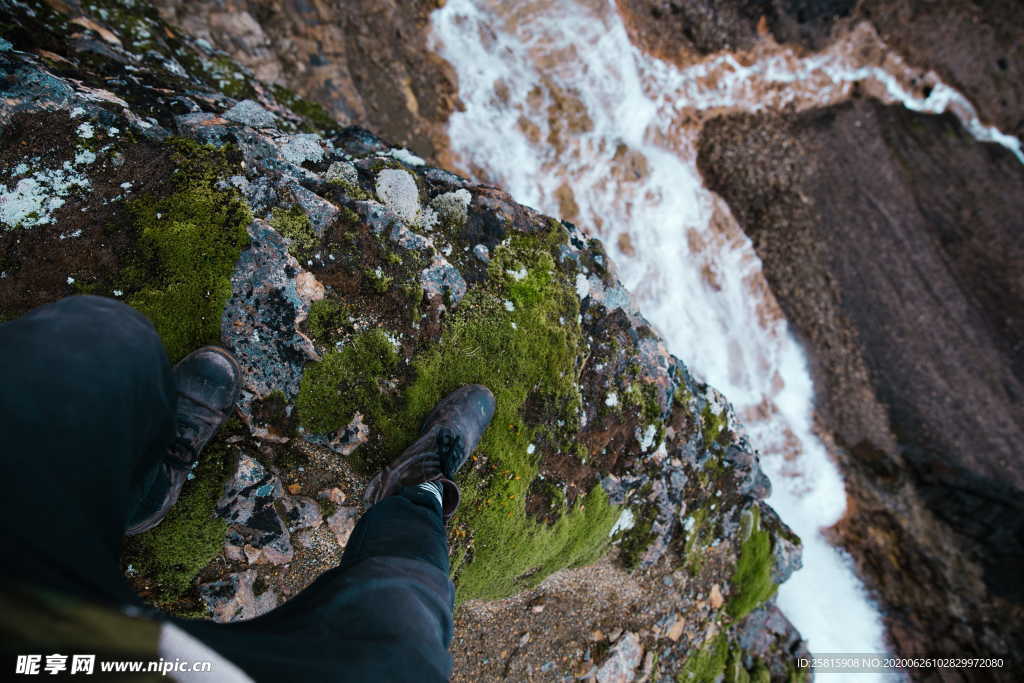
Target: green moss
794,674
713,426
751,581
188,243
760,673
318,119
229,77
644,396
528,354
636,540
353,191
172,554
293,224
697,540
735,672
346,381
379,282
706,665
328,321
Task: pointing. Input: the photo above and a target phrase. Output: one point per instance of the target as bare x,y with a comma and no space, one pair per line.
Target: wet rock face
892,241
675,30
357,286
973,46
365,62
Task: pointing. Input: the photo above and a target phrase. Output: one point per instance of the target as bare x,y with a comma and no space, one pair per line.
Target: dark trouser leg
384,614
86,412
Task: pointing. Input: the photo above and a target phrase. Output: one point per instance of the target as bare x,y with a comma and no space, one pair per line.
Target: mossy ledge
510,334
187,244
341,298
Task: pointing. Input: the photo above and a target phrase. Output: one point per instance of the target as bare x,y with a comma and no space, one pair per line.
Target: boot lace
182,452
450,449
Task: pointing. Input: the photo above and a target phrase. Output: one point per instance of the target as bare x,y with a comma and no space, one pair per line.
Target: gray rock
248,504
750,479
453,207
397,190
233,599
626,656
250,113
320,211
203,126
342,523
441,279
342,170
301,512
298,149
259,323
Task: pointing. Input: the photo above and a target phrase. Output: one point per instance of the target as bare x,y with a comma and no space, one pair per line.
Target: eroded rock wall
973,46
366,62
892,241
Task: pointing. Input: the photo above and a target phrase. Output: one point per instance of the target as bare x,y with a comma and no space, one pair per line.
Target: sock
433,487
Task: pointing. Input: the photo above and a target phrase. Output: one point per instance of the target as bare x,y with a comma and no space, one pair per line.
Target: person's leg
385,613
87,403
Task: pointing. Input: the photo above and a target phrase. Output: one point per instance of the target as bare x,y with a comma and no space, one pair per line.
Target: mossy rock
707,664
187,246
752,580
171,555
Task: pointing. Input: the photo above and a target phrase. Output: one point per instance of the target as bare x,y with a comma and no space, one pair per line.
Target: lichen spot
397,190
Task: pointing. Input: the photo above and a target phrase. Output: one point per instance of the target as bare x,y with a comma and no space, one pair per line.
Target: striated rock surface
973,46
892,241
357,286
366,62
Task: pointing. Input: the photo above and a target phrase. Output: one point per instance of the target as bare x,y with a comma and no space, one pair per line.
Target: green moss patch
188,243
293,224
713,426
170,556
347,381
637,539
707,664
516,333
698,537
328,321
318,119
752,581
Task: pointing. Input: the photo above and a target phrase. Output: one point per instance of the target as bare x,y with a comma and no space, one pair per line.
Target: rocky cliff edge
357,285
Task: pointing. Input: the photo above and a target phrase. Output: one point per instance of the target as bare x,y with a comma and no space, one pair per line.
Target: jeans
87,404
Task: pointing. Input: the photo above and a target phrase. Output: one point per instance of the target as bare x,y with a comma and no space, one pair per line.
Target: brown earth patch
36,263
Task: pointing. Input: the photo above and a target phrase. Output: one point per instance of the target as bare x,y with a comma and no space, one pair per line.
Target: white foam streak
568,116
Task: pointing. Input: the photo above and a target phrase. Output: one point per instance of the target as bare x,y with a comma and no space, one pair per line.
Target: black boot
209,382
449,435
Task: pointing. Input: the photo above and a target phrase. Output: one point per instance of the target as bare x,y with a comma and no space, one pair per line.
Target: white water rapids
566,114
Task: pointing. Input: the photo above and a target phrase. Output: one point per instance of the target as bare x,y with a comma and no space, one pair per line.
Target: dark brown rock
974,46
892,241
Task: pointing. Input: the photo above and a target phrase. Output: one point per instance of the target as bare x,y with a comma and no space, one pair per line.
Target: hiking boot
449,434
209,382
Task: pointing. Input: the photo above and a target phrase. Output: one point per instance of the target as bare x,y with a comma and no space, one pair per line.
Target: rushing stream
567,115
